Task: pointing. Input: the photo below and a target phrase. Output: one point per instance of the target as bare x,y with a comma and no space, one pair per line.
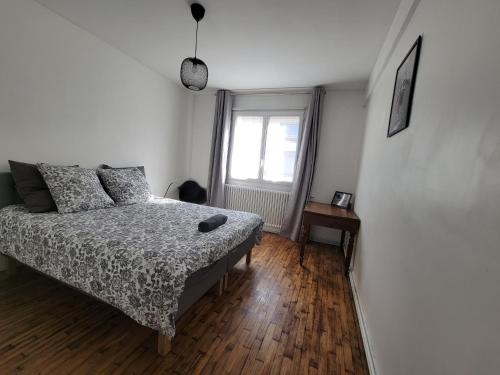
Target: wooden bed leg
11,267
164,345
219,287
226,280
249,256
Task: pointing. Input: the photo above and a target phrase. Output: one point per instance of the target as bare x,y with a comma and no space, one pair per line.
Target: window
264,147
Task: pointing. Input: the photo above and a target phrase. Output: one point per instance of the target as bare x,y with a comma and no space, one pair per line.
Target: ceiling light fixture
194,72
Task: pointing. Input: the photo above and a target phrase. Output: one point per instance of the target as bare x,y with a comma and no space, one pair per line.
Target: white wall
340,146
201,136
67,97
427,269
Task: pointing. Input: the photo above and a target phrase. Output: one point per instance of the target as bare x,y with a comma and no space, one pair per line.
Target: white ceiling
245,43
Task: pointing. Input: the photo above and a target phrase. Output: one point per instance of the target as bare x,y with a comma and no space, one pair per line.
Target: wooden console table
332,217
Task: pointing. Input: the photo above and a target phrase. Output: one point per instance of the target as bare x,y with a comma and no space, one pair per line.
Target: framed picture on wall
404,86
341,199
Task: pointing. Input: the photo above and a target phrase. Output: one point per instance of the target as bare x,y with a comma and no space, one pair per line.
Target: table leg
342,241
348,256
305,238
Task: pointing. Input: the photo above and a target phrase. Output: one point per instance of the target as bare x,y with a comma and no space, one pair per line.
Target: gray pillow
141,168
31,187
74,189
125,186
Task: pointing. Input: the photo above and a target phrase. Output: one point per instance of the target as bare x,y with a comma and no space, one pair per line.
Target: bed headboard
8,193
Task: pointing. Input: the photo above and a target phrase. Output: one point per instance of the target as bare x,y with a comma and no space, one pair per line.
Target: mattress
136,258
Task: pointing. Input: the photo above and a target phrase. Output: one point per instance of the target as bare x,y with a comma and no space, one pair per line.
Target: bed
147,259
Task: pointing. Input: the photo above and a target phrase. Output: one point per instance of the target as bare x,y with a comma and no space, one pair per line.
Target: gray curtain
220,148
304,169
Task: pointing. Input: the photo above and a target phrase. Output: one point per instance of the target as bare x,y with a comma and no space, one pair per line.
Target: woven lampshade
194,73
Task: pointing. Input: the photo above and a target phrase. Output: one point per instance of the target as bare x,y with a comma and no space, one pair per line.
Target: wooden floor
275,317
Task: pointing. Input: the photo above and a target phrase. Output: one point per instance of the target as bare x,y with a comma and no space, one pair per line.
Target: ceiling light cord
196,41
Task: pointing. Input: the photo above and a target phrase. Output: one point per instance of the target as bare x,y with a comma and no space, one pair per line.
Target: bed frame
215,275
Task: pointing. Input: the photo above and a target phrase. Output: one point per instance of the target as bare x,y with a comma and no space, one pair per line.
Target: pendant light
194,72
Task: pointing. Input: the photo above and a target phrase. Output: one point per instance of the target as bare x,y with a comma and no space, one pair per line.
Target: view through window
264,147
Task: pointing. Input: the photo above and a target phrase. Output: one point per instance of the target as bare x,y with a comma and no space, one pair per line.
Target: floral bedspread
136,258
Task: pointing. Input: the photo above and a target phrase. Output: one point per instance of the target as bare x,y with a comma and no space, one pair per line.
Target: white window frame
266,114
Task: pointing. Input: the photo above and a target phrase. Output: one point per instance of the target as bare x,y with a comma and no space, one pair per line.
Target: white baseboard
325,240
314,238
363,329
271,229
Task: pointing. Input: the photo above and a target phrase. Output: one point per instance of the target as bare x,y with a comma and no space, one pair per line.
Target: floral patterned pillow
125,186
74,189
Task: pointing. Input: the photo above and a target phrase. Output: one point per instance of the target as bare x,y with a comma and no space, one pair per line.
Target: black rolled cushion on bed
31,187
212,223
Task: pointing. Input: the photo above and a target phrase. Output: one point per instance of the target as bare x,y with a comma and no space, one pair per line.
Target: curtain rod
238,109
271,93
276,91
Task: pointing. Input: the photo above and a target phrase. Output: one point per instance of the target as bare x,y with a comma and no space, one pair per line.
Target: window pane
245,153
281,148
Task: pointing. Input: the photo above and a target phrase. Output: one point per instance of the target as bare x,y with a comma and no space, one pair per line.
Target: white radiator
269,204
